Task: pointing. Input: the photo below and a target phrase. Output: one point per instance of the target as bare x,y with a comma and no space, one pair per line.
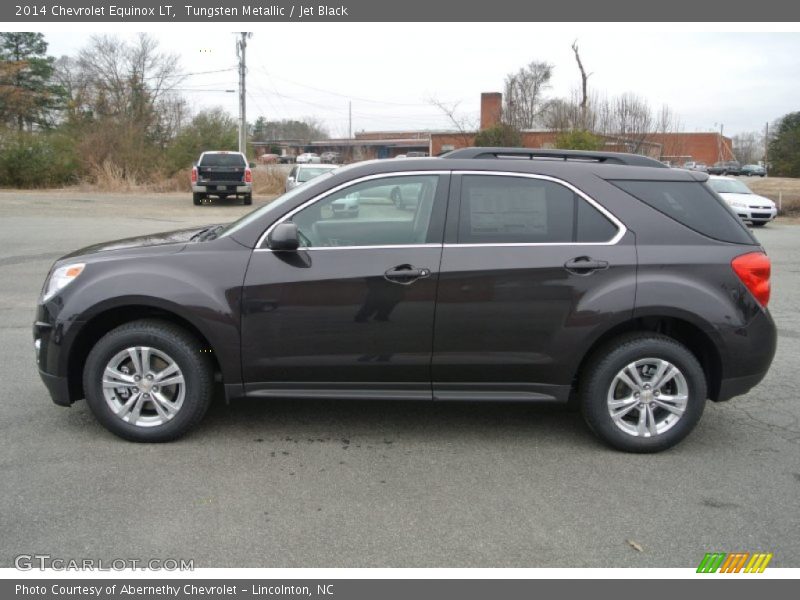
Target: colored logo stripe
711,562
758,563
734,562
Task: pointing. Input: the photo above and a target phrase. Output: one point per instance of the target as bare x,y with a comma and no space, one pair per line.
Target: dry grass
267,180
784,191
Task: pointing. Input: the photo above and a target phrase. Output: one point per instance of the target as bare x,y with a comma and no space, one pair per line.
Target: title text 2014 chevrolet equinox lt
606,279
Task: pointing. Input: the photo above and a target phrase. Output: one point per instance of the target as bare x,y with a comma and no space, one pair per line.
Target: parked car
727,167
346,207
602,279
306,172
696,166
268,159
753,171
308,157
222,174
331,158
758,210
415,154
286,159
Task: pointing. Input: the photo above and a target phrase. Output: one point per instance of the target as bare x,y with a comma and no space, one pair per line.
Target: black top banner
150,11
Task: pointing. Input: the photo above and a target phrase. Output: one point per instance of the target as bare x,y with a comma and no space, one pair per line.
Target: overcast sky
390,71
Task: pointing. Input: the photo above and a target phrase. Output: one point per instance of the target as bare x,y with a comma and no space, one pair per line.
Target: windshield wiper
209,233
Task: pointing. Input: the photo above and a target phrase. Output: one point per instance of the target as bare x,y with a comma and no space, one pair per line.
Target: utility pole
241,47
766,148
350,119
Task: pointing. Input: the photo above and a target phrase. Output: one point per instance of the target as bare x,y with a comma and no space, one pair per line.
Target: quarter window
378,212
505,209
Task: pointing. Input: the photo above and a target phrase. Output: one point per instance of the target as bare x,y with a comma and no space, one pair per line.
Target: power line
349,96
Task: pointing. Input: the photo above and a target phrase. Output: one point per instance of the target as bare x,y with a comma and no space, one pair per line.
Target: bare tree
464,126
748,147
584,105
628,118
524,95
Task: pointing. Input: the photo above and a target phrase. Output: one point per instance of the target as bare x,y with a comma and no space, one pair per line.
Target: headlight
60,279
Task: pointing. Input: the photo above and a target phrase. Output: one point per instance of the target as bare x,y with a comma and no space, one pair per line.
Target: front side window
378,212
505,209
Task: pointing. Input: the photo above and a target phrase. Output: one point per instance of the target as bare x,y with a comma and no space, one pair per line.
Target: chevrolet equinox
604,280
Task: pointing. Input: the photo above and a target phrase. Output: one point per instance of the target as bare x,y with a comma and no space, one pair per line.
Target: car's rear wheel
248,199
148,381
198,199
643,393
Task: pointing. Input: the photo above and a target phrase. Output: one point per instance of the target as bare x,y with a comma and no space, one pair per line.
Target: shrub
579,139
500,135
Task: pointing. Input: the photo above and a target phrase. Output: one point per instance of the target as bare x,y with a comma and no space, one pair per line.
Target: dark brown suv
604,280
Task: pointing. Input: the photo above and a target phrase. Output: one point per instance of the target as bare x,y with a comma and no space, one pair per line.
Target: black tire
602,369
198,199
170,340
248,199
760,224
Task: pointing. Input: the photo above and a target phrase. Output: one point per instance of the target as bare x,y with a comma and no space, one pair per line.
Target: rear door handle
406,274
584,265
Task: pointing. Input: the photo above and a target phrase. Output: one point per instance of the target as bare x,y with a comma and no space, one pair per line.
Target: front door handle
584,265
406,274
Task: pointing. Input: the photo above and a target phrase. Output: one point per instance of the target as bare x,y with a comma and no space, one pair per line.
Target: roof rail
616,158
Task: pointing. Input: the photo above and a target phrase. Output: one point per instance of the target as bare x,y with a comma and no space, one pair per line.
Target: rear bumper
228,188
738,386
750,351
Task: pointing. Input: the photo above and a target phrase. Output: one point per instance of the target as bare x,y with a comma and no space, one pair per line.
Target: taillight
194,174
248,176
754,270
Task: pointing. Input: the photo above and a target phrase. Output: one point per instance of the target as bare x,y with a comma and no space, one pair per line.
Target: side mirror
290,179
284,238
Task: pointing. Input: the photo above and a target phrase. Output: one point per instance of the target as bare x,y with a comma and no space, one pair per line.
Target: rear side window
222,160
504,209
691,204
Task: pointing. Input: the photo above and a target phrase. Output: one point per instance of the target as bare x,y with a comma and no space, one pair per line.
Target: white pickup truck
222,174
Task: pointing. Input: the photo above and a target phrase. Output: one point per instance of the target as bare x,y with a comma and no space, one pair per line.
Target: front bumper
52,342
757,215
58,388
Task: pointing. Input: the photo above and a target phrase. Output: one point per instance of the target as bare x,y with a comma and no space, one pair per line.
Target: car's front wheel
148,381
643,393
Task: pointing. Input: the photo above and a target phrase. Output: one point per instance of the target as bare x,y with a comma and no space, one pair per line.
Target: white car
750,207
302,173
308,157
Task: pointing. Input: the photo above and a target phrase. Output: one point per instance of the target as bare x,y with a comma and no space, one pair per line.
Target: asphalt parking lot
374,484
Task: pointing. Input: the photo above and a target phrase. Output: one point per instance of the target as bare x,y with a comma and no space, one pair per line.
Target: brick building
676,148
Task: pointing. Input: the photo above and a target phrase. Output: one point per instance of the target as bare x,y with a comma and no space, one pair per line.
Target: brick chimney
491,109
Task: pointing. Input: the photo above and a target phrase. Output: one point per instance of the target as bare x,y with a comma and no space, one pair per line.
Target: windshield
310,173
728,186
222,160
275,204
